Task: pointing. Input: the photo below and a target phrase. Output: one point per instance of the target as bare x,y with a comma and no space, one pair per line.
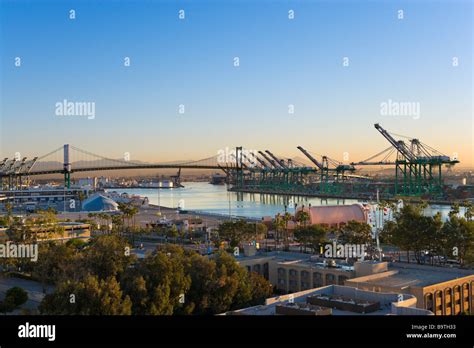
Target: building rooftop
73,224
339,300
335,214
99,202
301,259
401,276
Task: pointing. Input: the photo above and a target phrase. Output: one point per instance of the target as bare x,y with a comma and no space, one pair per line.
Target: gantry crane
280,162
338,171
14,170
262,163
272,162
418,167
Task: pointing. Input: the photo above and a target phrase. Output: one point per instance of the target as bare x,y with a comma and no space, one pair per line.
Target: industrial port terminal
418,173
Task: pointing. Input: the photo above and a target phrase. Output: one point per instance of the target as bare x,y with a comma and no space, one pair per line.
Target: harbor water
215,199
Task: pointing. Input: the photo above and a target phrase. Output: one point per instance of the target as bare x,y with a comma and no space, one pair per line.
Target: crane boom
399,145
251,162
277,160
263,164
272,162
311,158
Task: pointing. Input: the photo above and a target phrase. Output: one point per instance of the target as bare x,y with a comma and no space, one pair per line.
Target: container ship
218,179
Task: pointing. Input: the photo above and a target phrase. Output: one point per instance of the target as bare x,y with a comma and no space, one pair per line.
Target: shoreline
202,213
326,196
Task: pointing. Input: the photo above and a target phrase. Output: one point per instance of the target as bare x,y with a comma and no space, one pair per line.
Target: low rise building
335,215
292,272
99,203
62,232
336,300
45,197
442,290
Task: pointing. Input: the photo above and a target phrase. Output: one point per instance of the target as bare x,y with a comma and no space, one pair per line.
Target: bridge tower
239,167
67,167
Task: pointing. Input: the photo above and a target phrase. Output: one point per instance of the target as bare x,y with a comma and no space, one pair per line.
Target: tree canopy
171,281
412,231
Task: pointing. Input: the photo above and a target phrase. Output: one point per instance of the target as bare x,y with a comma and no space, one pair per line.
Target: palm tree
302,217
81,197
125,210
278,225
286,218
8,208
132,212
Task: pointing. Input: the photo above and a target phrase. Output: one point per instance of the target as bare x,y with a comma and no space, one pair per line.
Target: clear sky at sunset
190,61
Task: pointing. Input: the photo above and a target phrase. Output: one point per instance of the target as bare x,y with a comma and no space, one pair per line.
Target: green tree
134,285
455,209
173,232
55,262
412,231
18,296
107,256
90,296
237,231
14,298
458,239
355,232
128,214
302,217
232,291
311,236
221,284
469,210
278,226
287,217
203,283
261,289
165,282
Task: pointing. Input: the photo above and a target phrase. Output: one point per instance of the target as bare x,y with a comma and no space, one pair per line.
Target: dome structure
98,202
334,215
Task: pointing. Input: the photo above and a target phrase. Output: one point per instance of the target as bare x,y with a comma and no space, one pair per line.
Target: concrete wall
365,268
293,283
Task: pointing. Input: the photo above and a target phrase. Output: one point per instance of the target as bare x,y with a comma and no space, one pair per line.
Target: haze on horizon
283,62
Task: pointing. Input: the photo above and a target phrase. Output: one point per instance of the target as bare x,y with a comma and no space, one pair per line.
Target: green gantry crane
418,167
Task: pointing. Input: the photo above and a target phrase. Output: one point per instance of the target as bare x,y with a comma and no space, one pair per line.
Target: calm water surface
200,196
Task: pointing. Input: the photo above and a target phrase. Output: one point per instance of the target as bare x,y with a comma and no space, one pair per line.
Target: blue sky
190,62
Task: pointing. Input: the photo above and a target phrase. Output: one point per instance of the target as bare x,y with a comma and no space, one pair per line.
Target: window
429,301
457,300
448,301
265,270
282,278
304,285
330,279
438,302
317,280
465,298
341,280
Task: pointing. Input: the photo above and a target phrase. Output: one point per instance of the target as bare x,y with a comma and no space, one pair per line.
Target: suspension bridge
418,169
69,159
